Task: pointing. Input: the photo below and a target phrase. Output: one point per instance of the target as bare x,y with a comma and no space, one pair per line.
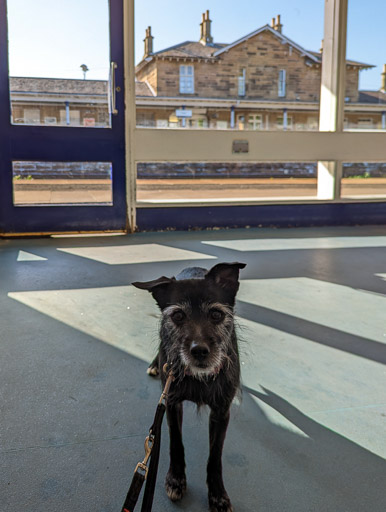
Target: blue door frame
61,144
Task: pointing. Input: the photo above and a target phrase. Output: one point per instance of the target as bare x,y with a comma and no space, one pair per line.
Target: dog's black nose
199,350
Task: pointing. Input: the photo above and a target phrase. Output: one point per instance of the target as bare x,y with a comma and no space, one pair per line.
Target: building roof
57,85
190,49
68,86
378,97
349,62
143,89
197,50
276,33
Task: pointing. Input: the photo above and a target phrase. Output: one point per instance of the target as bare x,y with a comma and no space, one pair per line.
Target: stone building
262,81
54,101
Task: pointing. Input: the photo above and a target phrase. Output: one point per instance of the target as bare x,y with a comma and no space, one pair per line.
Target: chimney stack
383,79
206,37
278,26
148,43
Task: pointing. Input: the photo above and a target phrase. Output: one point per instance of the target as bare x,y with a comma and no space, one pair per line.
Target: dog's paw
220,503
175,487
153,371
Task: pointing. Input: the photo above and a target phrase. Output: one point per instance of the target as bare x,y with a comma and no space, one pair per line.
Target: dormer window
186,79
282,83
241,82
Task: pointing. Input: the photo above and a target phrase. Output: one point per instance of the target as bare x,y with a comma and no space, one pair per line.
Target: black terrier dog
199,344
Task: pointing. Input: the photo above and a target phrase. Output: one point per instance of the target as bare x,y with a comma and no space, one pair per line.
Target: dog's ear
226,276
158,288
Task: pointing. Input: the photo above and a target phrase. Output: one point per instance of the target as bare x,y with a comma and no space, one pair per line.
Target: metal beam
332,92
130,113
177,145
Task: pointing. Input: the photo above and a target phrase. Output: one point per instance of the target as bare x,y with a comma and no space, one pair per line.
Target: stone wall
180,170
262,56
177,170
62,170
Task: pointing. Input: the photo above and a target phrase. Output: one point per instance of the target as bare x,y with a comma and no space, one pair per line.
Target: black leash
143,471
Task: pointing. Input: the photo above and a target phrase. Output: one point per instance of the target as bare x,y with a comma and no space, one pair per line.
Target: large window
257,73
365,95
59,64
245,59
175,182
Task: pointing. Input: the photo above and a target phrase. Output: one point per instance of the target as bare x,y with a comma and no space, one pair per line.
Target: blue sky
54,37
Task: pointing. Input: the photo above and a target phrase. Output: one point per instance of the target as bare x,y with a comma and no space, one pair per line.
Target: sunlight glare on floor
112,315
140,253
286,244
335,306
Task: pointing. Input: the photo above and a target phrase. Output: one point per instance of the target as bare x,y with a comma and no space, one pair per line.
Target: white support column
285,119
332,92
130,112
232,121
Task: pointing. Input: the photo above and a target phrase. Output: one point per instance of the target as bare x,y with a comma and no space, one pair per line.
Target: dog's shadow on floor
271,468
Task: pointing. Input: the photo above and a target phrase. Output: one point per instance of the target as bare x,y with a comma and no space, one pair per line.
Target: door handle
112,89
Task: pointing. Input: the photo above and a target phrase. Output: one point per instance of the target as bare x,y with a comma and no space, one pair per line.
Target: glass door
62,152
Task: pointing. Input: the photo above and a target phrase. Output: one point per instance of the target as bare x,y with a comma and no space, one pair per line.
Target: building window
364,122
282,80
50,120
241,82
31,116
74,117
186,79
280,123
255,122
241,122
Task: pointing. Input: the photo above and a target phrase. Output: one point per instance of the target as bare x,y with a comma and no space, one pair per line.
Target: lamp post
84,68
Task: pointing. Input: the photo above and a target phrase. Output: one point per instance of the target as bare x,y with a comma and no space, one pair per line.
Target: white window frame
31,115
255,122
186,79
280,122
282,83
74,117
329,146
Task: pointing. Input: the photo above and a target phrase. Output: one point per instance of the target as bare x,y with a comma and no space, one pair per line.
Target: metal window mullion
130,112
333,84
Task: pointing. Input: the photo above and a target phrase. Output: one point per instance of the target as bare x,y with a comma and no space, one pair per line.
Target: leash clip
169,380
148,447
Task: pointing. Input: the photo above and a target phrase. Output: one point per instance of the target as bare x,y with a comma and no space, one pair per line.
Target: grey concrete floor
76,403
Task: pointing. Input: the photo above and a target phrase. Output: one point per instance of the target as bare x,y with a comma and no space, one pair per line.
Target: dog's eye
178,316
216,315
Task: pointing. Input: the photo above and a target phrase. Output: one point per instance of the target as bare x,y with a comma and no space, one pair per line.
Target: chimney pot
205,26
148,43
278,26
273,23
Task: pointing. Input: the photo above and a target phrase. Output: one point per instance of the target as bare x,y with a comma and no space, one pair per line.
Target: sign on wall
180,112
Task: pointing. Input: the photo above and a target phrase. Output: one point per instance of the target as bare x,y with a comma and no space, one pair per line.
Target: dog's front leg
218,497
175,483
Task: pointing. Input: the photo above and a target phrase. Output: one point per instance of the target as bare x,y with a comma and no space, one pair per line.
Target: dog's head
197,316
